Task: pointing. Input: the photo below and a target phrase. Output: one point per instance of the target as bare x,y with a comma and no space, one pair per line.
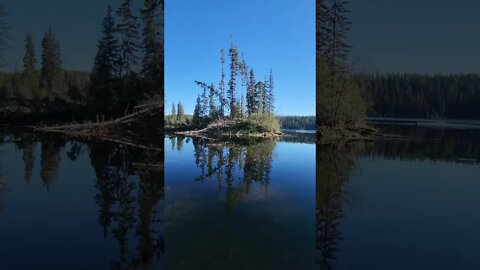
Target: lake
400,204
242,204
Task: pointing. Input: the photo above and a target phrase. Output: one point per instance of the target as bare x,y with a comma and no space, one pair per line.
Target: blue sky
427,36
276,34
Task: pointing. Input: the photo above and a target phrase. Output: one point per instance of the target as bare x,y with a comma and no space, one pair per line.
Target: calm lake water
409,204
393,204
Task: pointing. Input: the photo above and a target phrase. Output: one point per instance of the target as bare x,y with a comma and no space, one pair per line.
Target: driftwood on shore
129,129
224,127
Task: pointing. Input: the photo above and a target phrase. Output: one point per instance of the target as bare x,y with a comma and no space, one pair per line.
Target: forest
422,95
227,105
127,70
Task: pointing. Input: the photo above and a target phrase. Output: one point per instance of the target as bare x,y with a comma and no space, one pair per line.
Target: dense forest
298,122
253,111
128,69
423,95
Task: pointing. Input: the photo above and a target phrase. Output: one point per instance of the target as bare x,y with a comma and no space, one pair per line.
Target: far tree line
128,67
422,95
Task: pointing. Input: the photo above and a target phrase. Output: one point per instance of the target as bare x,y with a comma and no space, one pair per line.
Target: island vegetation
224,109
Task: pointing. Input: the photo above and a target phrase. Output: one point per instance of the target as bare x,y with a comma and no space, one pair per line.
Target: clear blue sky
276,34
426,36
76,24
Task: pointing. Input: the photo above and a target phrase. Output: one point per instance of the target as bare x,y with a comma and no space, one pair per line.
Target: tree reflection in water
235,165
130,183
335,162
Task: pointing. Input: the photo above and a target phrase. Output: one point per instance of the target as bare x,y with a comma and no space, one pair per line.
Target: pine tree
270,93
233,52
251,95
242,106
29,76
51,73
129,35
211,101
180,113
174,114
196,113
152,64
204,111
338,26
221,93
105,70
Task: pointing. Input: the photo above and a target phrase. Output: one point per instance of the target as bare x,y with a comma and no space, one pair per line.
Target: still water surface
393,204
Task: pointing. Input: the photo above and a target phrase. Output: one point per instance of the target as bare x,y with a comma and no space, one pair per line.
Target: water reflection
336,164
129,185
240,204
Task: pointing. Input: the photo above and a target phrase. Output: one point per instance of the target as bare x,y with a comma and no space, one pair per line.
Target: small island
227,111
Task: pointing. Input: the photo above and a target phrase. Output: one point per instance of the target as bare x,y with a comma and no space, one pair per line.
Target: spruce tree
180,113
270,93
29,76
233,53
105,70
196,113
221,93
251,95
173,114
51,72
338,25
204,111
211,101
152,64
129,36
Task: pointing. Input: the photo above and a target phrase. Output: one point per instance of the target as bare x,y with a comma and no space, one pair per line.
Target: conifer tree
105,70
233,53
29,76
270,93
204,108
174,114
51,73
338,25
180,113
152,64
211,101
221,93
196,113
129,36
251,95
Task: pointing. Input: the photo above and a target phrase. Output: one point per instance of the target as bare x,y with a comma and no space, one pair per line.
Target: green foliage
262,122
422,95
298,122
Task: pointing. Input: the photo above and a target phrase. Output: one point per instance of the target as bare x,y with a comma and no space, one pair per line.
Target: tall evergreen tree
196,112
29,76
174,114
180,113
270,93
129,36
153,70
204,111
338,26
211,101
251,95
105,70
51,73
234,64
221,92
